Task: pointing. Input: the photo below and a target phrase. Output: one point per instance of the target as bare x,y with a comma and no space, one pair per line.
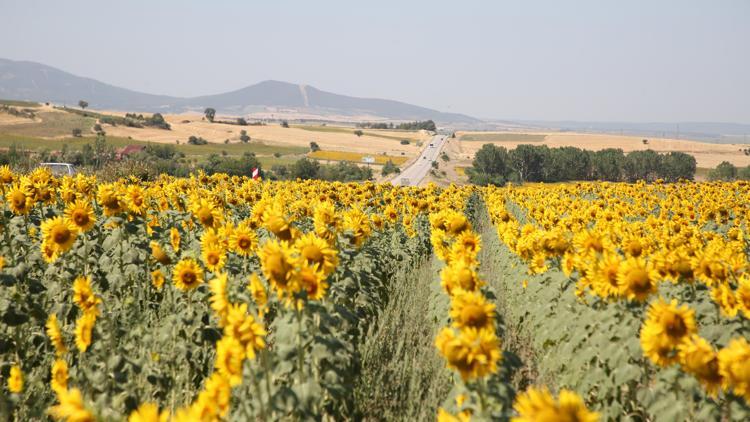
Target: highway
413,175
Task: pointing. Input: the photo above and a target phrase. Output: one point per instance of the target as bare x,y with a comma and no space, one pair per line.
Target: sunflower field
225,298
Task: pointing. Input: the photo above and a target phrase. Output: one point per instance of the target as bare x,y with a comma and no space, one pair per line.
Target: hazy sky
667,60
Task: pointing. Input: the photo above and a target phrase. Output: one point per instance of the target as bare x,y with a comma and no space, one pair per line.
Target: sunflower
698,358
245,328
726,299
604,275
458,275
205,212
59,233
445,416
277,264
59,376
214,257
157,279
734,367
84,329
83,295
187,275
148,412
473,353
55,335
110,198
258,292
312,280
136,199
243,240
314,250
15,380
18,199
537,404
71,407
174,239
219,299
229,357
158,253
357,226
81,213
637,279
743,296
471,309
667,326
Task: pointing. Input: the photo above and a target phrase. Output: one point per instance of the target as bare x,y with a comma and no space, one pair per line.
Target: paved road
413,175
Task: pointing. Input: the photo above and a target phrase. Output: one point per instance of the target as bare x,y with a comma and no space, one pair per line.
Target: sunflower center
466,279
213,258
635,248
61,235
675,326
244,243
638,279
206,216
81,218
189,278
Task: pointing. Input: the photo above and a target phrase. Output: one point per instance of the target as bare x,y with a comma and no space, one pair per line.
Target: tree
676,166
389,167
607,164
358,132
725,171
305,169
244,136
241,121
285,124
314,146
83,104
76,132
566,163
490,166
528,161
642,165
743,173
210,114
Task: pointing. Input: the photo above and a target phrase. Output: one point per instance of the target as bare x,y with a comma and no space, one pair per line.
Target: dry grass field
706,154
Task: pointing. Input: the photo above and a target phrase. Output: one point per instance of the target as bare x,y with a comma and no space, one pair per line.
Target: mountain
22,80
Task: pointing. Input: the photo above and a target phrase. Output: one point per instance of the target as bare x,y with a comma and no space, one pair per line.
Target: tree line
538,163
728,172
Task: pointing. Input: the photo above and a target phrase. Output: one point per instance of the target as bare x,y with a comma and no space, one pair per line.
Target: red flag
256,173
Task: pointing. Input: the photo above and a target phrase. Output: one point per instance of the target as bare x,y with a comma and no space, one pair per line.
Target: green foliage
244,137
242,166
358,133
83,104
196,140
418,125
725,171
314,146
389,168
76,133
284,124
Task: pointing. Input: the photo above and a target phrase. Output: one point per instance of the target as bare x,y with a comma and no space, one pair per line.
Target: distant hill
21,80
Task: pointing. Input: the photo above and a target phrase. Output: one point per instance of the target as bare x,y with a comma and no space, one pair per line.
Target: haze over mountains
22,80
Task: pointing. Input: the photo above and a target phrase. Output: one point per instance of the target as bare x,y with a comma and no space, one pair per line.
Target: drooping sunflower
604,275
59,234
135,198
471,309
314,250
81,213
110,197
698,358
219,298
158,253
174,238
187,275
537,404
205,212
71,407
743,296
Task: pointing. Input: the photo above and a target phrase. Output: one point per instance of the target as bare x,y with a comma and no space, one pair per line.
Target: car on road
60,169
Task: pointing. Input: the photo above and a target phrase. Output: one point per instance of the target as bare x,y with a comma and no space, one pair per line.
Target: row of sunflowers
658,287
201,298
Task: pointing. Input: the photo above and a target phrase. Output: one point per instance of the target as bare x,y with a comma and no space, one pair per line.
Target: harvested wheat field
327,137
706,154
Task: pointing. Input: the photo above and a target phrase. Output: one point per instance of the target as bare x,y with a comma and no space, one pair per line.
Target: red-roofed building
127,150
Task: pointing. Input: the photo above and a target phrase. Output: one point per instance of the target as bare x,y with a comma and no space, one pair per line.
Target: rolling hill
23,80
